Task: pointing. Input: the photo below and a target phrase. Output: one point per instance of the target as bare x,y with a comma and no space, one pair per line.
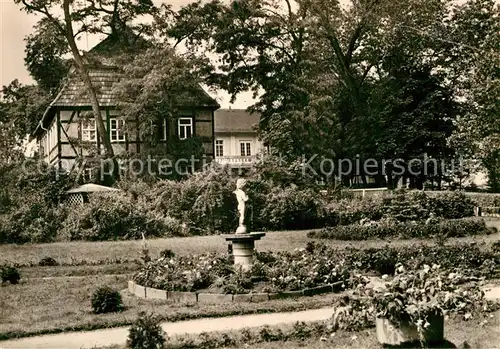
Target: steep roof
74,94
235,120
103,75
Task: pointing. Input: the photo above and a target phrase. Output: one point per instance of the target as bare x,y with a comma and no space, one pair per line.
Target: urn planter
389,333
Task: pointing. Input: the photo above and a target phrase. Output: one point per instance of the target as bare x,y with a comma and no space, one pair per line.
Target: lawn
111,252
63,304
51,299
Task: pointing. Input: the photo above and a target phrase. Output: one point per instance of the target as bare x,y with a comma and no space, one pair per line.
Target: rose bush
315,265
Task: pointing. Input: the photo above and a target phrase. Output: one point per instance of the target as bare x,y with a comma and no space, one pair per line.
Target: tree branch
352,43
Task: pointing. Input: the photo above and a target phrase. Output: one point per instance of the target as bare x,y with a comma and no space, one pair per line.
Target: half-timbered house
67,127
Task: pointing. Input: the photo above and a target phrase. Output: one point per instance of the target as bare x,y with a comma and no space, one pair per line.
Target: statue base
243,248
242,229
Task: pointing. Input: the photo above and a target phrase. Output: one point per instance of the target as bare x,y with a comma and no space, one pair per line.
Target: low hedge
485,211
404,230
478,259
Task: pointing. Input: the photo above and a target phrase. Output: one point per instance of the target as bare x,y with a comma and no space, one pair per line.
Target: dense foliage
106,300
146,333
10,274
392,229
33,207
313,266
116,217
415,297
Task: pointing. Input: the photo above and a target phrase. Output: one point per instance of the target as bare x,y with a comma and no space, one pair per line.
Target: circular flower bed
314,266
215,273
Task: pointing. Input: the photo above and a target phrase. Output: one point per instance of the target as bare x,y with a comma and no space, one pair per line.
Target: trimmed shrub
486,211
345,211
485,199
450,205
390,229
10,274
146,333
383,260
106,300
48,262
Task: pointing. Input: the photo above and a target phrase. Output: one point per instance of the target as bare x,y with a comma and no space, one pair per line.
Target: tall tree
317,62
474,65
45,49
23,105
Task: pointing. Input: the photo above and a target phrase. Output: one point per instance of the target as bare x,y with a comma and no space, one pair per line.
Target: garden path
106,337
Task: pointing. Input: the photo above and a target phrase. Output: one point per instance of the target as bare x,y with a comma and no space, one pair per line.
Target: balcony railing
236,161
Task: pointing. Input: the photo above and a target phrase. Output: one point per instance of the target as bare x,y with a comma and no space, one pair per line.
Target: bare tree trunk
84,75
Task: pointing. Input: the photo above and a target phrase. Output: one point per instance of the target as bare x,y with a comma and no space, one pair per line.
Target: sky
15,25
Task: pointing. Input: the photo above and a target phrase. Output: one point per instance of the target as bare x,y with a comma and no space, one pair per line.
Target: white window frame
88,174
247,150
118,128
189,125
89,127
164,129
219,147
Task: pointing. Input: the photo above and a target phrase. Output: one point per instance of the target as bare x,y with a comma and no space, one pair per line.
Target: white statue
242,198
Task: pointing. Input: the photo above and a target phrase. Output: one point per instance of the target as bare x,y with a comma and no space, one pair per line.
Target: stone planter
397,334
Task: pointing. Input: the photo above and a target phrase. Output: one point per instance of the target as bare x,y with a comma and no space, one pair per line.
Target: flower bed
314,266
389,228
270,273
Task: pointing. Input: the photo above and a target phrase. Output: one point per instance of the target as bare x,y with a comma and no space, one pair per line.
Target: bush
167,253
10,274
33,222
450,205
383,260
146,333
106,300
117,217
204,202
291,208
48,262
486,211
390,229
485,199
345,211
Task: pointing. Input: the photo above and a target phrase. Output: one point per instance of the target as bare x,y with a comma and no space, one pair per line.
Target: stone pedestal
243,248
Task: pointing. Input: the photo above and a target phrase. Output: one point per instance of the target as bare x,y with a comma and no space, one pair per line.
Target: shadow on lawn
445,344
